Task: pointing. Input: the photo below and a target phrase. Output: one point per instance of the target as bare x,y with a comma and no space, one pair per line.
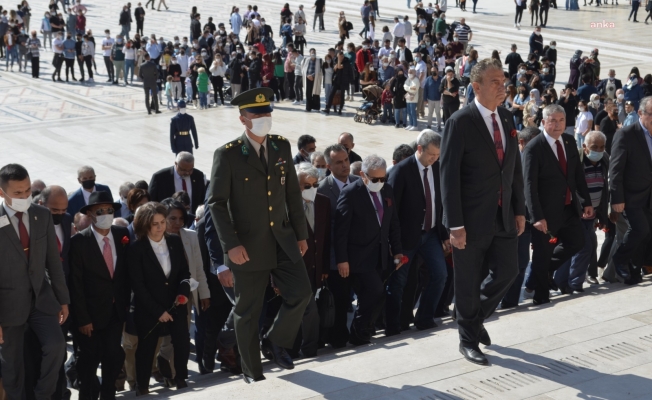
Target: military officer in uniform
181,125
255,202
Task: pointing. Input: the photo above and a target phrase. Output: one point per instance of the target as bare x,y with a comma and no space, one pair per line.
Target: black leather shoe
423,327
392,332
540,302
142,392
552,285
623,271
566,290
251,380
506,306
484,338
180,383
208,362
473,355
281,357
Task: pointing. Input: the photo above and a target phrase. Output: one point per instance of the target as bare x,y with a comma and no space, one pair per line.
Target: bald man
346,140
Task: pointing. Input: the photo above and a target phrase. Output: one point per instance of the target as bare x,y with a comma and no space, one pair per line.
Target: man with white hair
366,226
317,258
124,211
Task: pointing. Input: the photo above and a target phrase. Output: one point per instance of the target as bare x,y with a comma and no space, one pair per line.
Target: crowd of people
386,236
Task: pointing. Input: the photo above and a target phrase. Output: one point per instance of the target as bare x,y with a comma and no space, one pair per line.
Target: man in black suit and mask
557,197
149,74
630,183
484,207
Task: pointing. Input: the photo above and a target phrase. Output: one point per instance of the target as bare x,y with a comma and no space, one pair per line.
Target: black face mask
90,184
57,218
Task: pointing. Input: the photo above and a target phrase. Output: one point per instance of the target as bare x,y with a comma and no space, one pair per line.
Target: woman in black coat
160,277
609,126
342,77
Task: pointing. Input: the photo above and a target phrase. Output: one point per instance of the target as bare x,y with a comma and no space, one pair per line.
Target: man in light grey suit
33,289
337,161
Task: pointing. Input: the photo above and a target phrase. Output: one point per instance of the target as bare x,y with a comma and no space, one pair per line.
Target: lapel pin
282,180
35,219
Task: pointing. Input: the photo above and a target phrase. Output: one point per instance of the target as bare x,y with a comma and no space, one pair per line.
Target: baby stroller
371,109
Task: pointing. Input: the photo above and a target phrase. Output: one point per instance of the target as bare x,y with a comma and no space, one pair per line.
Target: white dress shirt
178,185
100,242
399,30
431,184
11,213
162,254
87,194
59,231
341,184
486,116
553,145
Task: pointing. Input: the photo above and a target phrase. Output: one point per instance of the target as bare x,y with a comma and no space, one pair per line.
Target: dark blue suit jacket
76,200
66,226
406,180
359,239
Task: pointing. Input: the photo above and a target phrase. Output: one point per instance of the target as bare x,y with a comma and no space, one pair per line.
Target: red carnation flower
181,299
125,240
513,133
605,230
404,260
553,240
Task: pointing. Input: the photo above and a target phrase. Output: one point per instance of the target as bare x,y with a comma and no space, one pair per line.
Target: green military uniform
260,208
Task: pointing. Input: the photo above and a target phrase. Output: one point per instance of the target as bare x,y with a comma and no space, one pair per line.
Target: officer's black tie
262,157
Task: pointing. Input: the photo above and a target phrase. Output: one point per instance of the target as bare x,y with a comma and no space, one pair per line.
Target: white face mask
261,126
309,194
621,96
104,221
20,205
182,111
322,173
375,187
371,68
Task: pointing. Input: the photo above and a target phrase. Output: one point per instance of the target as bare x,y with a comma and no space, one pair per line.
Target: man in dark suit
595,162
317,259
149,74
181,177
346,140
484,208
34,293
337,162
255,203
366,226
307,145
415,182
607,87
79,198
630,183
557,197
100,293
55,199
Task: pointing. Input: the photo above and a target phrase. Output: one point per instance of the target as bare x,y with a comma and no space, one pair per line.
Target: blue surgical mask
595,156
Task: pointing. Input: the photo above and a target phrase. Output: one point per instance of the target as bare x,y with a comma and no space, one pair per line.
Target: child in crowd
386,101
202,88
188,89
168,92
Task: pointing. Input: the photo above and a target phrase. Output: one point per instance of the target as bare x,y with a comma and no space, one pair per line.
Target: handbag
337,99
325,306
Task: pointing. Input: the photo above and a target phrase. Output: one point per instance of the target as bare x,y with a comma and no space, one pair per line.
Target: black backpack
326,306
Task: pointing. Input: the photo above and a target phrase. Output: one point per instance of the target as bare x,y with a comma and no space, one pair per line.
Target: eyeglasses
103,211
376,180
314,185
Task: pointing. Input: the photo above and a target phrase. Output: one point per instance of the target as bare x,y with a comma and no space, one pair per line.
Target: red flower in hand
605,230
181,299
513,133
553,240
404,260
125,240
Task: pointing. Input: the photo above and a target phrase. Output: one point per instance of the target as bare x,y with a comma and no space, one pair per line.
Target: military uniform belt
183,133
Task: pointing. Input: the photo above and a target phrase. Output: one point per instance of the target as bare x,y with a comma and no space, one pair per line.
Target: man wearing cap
255,202
181,125
100,294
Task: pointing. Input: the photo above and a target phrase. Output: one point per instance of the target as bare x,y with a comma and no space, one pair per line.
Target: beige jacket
196,265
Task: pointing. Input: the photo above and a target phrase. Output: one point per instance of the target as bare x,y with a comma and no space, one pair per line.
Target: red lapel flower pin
125,240
513,133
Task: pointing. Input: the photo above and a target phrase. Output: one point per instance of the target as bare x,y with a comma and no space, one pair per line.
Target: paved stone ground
598,345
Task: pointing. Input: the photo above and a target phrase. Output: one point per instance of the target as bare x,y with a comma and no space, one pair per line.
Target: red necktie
24,236
562,162
183,185
108,255
427,224
59,247
498,141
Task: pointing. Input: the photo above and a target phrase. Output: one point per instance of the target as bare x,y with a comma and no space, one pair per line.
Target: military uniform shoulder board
233,144
277,137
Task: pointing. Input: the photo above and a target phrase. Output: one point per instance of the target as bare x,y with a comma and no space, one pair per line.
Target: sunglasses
102,211
314,185
376,180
